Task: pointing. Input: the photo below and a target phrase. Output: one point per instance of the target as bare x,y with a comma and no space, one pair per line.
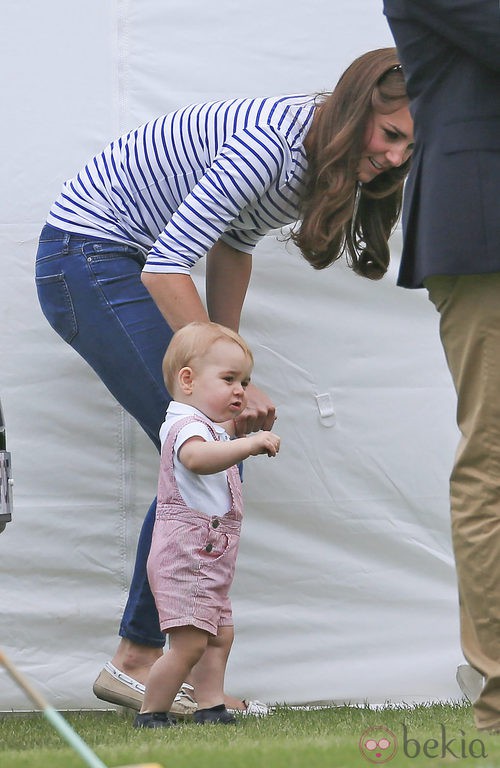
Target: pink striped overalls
193,556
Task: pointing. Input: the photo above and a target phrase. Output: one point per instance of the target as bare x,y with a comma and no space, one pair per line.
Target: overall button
215,523
208,548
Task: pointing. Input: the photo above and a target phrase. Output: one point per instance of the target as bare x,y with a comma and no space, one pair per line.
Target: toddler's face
219,381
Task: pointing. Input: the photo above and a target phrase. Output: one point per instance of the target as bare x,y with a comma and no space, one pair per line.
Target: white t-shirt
206,493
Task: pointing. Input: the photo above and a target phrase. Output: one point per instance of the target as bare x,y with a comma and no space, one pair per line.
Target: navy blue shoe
153,720
217,714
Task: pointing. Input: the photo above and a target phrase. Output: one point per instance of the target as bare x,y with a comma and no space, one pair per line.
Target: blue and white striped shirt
229,169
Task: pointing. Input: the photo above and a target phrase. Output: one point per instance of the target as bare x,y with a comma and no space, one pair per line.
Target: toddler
196,534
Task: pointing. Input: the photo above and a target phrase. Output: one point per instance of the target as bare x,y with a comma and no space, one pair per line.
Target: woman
114,259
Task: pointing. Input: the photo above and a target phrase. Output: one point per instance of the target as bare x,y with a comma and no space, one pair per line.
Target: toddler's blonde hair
192,342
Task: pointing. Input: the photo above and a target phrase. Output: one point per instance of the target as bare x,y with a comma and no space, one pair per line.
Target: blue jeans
91,293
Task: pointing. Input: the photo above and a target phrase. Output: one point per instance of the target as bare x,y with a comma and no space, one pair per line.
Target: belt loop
66,239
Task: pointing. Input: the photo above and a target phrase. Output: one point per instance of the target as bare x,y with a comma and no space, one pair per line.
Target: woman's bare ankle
134,659
232,702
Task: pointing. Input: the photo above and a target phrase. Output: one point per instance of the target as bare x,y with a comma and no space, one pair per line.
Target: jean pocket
96,251
57,305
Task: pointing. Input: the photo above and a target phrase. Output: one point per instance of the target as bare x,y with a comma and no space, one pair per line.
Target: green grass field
434,735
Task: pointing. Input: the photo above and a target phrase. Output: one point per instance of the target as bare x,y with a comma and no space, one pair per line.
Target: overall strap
168,491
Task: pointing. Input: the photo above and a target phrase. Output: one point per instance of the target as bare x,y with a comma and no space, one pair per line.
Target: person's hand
260,413
264,442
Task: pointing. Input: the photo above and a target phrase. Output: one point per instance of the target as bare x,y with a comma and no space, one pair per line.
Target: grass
431,735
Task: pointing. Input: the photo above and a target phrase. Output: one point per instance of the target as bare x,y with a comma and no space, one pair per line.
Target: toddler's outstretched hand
264,442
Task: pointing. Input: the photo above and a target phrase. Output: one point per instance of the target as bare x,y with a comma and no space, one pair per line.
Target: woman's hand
260,413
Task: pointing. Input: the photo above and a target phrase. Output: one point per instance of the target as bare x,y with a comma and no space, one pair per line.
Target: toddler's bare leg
208,675
187,645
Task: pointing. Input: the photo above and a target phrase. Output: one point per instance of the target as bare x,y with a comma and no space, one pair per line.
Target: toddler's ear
185,379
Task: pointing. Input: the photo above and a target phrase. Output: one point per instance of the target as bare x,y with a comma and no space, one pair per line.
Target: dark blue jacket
450,52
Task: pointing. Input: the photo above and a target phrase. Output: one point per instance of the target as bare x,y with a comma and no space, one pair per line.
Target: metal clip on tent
6,481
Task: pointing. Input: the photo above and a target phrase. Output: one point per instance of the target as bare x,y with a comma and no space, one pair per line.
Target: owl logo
378,744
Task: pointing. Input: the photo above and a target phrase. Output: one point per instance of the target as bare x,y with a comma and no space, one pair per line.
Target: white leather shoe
118,688
470,681
254,708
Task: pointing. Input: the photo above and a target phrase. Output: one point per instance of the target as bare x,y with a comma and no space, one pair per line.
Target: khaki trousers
469,307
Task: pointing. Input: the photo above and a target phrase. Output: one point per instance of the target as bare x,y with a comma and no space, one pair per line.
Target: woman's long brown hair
334,147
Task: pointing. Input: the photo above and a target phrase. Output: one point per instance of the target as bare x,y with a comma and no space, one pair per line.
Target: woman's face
388,143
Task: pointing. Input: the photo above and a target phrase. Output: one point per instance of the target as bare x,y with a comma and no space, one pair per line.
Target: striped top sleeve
230,170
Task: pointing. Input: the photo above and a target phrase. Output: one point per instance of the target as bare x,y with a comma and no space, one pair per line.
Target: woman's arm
227,278
176,297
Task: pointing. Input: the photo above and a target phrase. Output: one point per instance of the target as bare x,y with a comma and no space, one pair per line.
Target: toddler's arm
207,457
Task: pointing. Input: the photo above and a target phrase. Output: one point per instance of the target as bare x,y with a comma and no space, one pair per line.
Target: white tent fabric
346,584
